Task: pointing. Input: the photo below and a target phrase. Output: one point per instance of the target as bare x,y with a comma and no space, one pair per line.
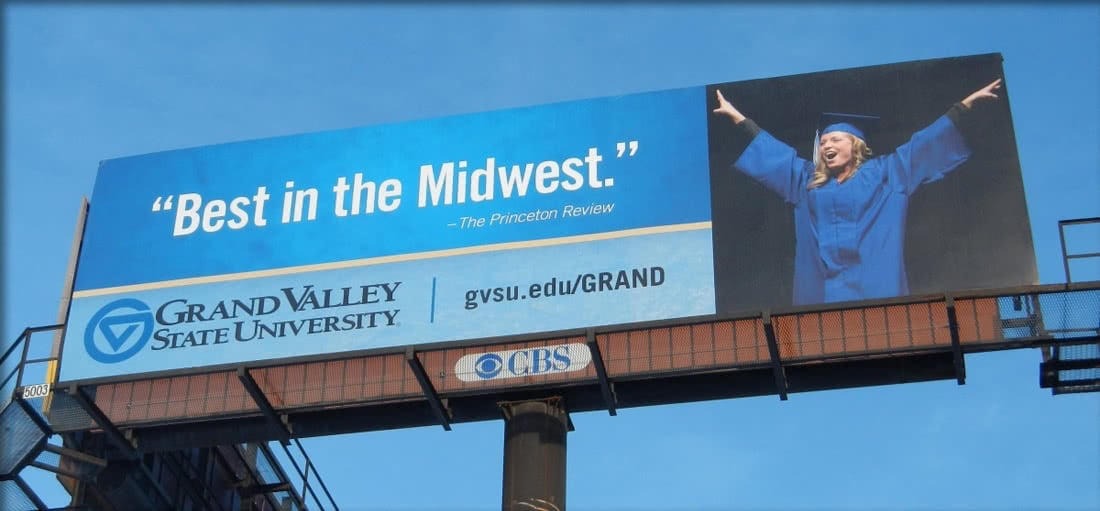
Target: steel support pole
534,455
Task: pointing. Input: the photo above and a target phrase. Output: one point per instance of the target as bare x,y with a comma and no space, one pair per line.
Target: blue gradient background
665,182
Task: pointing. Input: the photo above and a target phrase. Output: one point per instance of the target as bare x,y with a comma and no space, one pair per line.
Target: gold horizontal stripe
481,249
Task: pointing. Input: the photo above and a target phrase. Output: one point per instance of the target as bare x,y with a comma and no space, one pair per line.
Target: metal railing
275,483
272,482
22,345
1066,254
310,473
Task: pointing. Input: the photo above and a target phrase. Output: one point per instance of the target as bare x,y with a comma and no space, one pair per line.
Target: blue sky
88,83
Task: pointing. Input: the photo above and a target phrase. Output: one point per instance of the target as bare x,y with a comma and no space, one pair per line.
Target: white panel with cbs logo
499,365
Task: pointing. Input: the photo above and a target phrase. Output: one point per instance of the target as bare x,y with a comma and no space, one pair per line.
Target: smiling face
835,150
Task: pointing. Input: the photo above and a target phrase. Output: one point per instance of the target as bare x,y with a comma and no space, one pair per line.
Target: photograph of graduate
914,189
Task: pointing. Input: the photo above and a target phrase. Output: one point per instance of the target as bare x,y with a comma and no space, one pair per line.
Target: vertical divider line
431,318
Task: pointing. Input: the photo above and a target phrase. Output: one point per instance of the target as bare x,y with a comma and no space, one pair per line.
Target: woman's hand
982,94
726,108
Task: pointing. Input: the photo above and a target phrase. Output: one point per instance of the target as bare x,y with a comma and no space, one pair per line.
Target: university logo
118,331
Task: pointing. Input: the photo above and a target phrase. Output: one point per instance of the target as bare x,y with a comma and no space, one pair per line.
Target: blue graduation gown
849,238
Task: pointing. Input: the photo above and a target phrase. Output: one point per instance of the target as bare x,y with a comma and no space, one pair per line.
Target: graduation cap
853,124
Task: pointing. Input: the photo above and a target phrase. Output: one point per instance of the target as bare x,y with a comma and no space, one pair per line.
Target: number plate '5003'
33,391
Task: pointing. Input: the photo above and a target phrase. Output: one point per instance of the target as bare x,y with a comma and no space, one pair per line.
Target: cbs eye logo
118,331
488,365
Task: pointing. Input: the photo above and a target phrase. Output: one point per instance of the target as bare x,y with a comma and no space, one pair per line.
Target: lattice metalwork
65,414
353,380
23,436
174,398
13,498
1072,360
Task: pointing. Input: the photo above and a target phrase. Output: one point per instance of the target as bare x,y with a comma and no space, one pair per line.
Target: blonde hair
860,154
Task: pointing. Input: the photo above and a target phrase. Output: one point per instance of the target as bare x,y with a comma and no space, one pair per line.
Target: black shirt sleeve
743,134
964,120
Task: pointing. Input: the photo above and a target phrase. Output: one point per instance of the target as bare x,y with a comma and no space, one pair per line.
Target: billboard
541,219
943,210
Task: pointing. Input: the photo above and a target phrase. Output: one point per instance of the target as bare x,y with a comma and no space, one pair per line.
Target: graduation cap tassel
817,144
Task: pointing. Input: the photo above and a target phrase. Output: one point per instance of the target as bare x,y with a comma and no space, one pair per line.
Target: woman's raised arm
726,108
982,94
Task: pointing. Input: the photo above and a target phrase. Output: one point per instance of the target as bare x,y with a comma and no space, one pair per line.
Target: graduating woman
849,207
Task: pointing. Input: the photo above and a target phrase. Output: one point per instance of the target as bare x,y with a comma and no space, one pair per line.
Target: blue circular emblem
119,330
488,365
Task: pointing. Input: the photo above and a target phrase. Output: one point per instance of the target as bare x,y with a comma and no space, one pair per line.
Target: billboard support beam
773,350
534,454
429,391
956,346
109,429
66,300
265,406
601,371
